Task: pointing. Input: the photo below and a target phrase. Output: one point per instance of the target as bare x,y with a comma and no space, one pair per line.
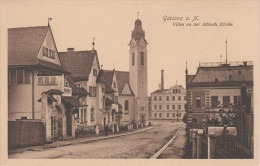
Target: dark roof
49,97
122,78
138,32
108,102
190,77
71,100
75,89
100,77
78,63
54,91
108,76
24,45
159,91
224,74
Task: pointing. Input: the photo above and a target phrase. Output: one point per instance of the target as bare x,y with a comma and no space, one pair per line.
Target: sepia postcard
129,82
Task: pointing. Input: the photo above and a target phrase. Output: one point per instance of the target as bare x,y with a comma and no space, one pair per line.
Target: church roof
78,63
138,32
122,78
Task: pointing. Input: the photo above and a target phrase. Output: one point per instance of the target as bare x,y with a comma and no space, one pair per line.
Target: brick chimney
162,79
70,49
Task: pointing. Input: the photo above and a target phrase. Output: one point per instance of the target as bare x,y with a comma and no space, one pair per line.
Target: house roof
75,89
71,100
24,45
108,102
159,91
101,77
78,63
108,76
224,74
122,78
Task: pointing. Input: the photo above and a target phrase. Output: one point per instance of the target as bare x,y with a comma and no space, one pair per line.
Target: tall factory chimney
162,79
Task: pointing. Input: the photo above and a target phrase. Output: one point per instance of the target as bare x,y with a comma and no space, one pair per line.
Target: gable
48,51
24,44
126,90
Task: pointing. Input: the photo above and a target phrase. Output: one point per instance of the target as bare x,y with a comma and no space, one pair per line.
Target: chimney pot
70,49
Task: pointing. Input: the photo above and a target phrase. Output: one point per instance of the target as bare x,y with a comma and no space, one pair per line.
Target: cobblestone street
135,146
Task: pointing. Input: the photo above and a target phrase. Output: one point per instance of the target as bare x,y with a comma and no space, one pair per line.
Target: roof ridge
75,51
28,27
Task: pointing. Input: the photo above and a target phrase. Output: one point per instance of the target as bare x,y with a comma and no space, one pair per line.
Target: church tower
138,69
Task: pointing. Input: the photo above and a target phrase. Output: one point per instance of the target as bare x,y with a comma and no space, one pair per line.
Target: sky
75,23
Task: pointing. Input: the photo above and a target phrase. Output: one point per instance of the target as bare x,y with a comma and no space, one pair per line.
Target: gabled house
126,97
36,80
113,110
84,68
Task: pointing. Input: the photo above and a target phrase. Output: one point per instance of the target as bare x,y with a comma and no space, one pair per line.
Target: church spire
138,31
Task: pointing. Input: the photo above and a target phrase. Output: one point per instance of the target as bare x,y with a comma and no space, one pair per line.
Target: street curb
45,147
157,154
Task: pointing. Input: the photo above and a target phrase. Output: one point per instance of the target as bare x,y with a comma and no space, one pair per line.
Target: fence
25,133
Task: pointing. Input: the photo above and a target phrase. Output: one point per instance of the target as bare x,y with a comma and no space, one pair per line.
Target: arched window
133,58
126,105
142,58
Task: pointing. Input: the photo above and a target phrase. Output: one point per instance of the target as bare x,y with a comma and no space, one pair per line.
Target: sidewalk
176,149
74,141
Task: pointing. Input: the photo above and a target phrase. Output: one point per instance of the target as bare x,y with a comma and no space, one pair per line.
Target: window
155,98
114,85
66,84
173,107
85,115
155,115
9,77
198,102
168,115
126,105
160,107
160,115
76,115
46,80
167,98
19,76
94,72
82,115
92,114
53,80
179,107
155,107
142,58
94,92
235,100
214,101
45,51
90,91
168,107
40,80
173,98
179,98
27,76
226,101
24,117
13,76
173,115
133,59
160,98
